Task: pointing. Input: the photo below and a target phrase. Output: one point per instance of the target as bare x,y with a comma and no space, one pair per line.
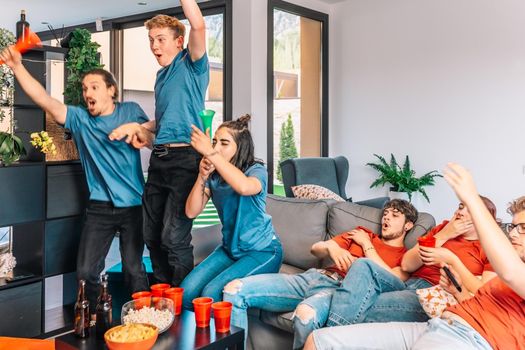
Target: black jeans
167,229
102,222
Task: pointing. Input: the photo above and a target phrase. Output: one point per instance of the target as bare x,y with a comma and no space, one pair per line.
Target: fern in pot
402,178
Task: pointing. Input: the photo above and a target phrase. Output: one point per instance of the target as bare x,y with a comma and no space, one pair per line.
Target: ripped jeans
278,292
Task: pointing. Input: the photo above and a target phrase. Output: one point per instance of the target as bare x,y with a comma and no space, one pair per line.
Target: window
297,86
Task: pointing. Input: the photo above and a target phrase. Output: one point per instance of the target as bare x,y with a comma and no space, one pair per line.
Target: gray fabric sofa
300,223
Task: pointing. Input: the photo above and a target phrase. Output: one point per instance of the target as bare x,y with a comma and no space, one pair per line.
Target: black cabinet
43,204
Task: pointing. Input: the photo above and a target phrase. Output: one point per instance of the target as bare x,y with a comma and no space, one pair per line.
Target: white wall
437,80
249,62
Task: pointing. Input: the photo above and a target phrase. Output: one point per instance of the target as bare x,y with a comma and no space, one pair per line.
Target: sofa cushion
346,216
299,224
343,217
315,192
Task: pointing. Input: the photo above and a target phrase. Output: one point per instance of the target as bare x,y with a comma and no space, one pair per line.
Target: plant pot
398,195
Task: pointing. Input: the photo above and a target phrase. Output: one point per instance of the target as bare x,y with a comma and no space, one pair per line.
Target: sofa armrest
205,240
378,202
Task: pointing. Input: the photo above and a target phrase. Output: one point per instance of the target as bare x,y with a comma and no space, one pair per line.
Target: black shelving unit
44,204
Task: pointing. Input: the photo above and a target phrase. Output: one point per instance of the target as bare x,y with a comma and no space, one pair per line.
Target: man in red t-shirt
494,318
310,292
381,297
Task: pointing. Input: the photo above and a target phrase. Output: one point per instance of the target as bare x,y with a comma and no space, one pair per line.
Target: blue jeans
280,292
102,222
210,276
437,334
369,293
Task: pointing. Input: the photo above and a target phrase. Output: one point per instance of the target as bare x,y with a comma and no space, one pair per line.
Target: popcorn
161,319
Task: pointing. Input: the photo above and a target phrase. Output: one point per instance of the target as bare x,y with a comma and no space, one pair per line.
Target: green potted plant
402,178
11,147
82,57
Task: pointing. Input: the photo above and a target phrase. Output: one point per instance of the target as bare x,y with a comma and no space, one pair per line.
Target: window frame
116,25
311,14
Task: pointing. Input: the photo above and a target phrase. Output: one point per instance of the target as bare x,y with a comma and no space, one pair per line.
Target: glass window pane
297,90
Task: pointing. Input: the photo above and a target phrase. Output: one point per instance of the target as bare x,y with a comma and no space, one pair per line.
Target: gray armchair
331,173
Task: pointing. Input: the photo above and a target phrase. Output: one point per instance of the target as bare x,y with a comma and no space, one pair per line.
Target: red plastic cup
202,308
141,299
427,241
175,294
158,289
222,312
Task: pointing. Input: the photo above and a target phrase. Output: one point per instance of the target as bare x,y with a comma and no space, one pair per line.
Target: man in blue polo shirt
180,90
113,171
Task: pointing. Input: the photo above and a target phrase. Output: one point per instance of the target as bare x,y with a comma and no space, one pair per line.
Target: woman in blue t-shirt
237,184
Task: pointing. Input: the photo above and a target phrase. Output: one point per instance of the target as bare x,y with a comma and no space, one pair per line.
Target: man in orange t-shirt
381,297
494,318
309,293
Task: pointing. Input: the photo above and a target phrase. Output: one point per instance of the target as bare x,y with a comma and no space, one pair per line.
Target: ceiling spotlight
44,23
142,3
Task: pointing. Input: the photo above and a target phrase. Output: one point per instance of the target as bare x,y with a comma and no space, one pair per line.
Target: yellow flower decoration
42,141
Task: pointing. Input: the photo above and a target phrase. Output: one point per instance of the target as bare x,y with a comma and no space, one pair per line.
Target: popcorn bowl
137,336
160,313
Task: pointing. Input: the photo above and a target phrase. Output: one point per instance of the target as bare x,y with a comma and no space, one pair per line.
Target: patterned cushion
435,300
315,192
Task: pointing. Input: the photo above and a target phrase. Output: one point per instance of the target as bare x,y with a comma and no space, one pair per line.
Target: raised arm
32,87
502,256
242,184
199,194
197,36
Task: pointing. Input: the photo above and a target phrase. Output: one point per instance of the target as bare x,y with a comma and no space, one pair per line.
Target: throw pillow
315,192
435,300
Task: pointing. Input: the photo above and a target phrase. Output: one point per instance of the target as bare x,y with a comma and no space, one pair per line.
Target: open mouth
91,104
385,226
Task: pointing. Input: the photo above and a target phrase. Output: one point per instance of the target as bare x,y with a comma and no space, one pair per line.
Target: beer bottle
82,312
104,308
21,25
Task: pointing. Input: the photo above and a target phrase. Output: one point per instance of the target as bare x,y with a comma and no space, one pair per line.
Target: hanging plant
11,147
7,79
82,57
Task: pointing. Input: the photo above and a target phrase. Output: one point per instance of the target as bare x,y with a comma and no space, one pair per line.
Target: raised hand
461,182
11,57
201,141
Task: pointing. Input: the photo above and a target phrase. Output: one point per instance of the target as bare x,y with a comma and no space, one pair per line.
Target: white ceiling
71,12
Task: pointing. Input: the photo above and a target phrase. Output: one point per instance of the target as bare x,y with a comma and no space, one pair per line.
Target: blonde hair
516,206
164,21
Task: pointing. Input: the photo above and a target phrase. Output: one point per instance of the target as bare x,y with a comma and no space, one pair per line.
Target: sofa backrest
344,216
302,222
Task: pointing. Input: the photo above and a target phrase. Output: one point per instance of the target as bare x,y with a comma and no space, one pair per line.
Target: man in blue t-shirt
113,171
180,90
